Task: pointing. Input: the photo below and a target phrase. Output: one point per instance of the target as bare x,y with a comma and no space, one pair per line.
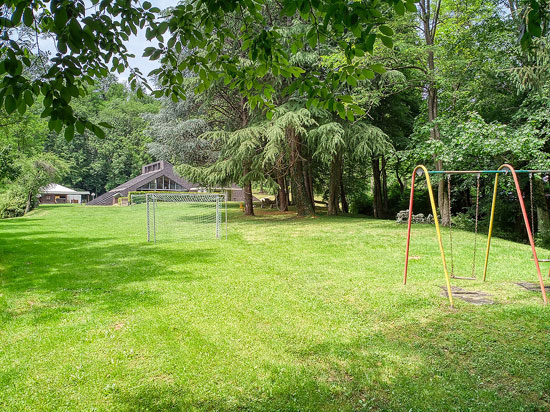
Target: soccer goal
185,216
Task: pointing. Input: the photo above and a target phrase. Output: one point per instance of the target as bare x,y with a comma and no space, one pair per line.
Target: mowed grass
287,314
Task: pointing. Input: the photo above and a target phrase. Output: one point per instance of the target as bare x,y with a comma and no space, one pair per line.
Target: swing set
505,169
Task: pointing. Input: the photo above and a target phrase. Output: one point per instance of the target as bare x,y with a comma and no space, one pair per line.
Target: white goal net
185,216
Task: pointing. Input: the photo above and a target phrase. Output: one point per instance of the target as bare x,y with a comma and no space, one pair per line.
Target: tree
92,41
291,125
237,161
176,133
36,172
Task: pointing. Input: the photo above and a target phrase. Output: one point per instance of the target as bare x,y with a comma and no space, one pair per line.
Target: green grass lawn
287,314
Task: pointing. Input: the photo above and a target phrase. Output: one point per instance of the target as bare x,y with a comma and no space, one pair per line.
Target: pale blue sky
136,45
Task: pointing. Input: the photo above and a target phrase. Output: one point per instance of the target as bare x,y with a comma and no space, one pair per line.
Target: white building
54,193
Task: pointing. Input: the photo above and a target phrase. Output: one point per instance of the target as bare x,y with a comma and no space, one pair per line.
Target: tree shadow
69,272
452,362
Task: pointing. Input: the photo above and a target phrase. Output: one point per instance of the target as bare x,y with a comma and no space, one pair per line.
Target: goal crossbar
186,214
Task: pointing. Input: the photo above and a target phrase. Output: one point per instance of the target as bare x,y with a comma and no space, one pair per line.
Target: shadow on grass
65,273
455,361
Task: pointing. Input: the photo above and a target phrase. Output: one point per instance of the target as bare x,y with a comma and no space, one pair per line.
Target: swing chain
476,226
531,203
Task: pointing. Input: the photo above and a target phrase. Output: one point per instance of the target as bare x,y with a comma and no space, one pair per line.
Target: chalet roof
56,189
149,173
166,169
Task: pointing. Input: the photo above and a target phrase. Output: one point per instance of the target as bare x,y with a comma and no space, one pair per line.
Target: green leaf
28,98
410,6
22,108
146,5
98,131
358,52
290,9
60,17
75,30
163,27
16,16
378,68
399,8
369,42
369,74
10,104
148,51
534,29
80,126
69,132
312,40
28,17
351,81
356,30
386,30
386,41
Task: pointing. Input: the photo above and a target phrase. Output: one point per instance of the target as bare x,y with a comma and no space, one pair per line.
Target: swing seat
544,260
463,277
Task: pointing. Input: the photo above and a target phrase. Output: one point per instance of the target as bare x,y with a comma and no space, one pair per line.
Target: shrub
362,205
12,203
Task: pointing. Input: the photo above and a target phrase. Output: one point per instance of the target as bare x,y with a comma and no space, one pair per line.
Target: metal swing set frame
502,170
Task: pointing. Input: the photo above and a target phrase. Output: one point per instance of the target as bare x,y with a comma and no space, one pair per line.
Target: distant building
160,176
54,193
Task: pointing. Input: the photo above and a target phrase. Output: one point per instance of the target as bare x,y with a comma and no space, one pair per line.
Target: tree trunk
282,194
345,206
301,196
334,185
247,189
443,198
308,180
377,203
385,200
399,181
29,203
429,28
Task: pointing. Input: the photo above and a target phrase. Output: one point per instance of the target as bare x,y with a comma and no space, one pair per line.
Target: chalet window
161,183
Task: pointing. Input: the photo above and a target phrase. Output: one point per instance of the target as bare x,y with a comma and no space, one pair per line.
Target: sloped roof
138,181
144,178
54,188
165,169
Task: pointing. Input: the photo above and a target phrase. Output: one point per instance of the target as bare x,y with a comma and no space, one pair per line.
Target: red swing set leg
527,226
438,232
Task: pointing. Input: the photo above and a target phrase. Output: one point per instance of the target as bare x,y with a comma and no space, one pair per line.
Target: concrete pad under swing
471,296
533,287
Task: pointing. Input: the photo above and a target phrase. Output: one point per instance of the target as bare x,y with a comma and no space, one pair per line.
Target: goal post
185,216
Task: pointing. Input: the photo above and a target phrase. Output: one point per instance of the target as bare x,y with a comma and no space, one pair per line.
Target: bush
362,205
12,203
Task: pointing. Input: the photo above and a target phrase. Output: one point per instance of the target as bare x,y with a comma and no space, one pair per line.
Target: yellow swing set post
527,226
437,229
505,168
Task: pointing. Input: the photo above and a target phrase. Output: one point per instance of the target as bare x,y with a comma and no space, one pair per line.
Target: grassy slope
287,314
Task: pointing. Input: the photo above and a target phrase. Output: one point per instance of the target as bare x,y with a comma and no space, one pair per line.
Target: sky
135,45
138,43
